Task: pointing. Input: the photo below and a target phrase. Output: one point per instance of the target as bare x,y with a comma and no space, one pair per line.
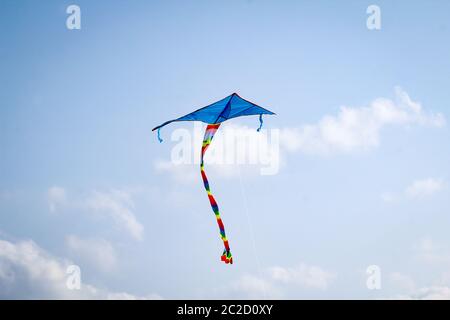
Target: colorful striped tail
209,135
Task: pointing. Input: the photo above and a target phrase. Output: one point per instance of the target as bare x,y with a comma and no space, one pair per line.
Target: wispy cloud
430,252
426,293
115,204
29,272
418,189
433,255
358,128
183,173
254,287
95,251
424,187
402,281
118,206
274,282
303,275
56,197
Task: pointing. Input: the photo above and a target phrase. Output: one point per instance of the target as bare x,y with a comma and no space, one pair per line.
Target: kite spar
213,115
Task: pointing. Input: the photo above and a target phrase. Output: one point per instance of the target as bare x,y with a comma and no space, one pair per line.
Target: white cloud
436,256
402,281
428,251
117,205
445,278
388,197
127,296
97,252
432,293
356,128
56,197
302,275
254,287
418,189
427,293
28,272
425,187
184,173
274,282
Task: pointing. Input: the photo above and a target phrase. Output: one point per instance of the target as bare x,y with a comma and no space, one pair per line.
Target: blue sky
362,118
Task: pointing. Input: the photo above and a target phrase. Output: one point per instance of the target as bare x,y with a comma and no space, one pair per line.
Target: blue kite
213,115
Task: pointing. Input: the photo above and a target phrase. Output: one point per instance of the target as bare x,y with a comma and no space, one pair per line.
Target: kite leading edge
213,115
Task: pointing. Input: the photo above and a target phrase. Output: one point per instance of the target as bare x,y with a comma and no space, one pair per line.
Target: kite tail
209,135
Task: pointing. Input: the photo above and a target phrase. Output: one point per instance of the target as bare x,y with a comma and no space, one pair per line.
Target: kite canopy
230,107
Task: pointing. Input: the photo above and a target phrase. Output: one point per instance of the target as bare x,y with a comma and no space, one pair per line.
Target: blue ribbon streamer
159,136
260,123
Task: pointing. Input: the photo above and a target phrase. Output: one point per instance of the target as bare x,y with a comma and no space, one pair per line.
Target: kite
213,115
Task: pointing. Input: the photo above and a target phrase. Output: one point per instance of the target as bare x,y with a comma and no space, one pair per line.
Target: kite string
250,227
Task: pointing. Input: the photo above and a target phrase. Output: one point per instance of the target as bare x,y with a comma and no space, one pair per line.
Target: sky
359,139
